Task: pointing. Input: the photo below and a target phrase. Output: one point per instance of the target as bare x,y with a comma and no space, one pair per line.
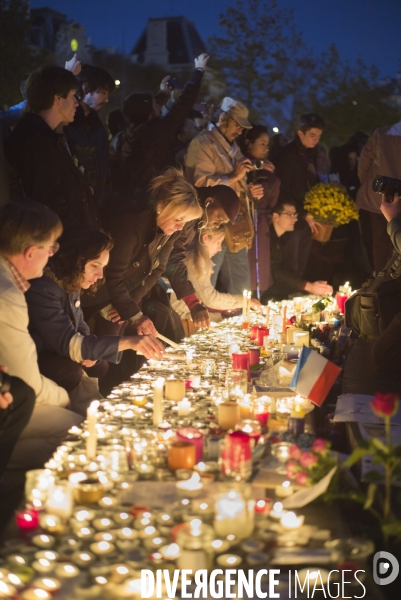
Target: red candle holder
254,330
237,454
263,506
263,418
254,356
260,334
341,300
240,360
27,519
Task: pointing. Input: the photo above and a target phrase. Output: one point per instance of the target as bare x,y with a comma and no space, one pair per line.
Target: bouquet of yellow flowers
330,205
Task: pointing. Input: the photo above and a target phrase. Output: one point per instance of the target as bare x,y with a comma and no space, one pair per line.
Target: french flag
314,376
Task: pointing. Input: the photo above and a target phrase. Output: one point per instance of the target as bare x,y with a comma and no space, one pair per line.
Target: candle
190,487
184,407
126,533
102,548
301,339
195,437
244,305
175,389
83,559
263,506
229,560
248,306
52,523
43,541
244,407
68,571
296,422
236,455
60,500
34,594
261,333
7,590
49,584
261,410
290,520
253,334
233,348
228,414
233,516
278,511
340,301
181,455
91,440
27,519
158,401
170,552
284,490
240,360
254,356
290,333
252,428
284,328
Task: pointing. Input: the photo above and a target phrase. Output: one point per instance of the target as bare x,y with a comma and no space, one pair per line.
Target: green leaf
370,496
373,476
357,454
380,445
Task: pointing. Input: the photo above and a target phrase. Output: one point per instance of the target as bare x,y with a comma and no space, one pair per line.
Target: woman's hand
256,190
115,317
268,166
390,209
144,326
314,225
88,363
147,345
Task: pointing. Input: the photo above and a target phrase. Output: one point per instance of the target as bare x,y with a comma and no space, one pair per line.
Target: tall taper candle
158,401
244,305
91,440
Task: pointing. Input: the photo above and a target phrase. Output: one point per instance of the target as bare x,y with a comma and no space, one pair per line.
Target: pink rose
320,445
308,459
295,452
302,478
291,469
385,405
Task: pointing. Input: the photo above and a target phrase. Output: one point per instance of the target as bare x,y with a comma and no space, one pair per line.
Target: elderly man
214,158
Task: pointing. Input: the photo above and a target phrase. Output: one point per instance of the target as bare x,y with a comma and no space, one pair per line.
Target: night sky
368,28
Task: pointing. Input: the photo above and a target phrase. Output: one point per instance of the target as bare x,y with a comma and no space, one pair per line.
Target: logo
386,564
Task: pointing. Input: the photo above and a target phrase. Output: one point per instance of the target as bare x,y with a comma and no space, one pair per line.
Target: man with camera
28,234
379,157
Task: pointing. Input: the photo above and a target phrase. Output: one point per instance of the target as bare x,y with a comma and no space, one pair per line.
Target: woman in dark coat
131,301
64,343
255,146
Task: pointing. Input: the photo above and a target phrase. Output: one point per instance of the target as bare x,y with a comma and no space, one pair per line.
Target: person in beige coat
380,156
28,234
214,158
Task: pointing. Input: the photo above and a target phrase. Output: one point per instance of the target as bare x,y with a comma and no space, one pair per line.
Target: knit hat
224,195
137,107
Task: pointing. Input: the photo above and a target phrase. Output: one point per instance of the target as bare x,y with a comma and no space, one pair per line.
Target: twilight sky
369,28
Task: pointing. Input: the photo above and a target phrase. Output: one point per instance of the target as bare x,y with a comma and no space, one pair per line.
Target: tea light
102,524
175,389
219,546
184,407
43,541
145,469
104,536
154,543
263,506
314,575
84,532
49,584
123,518
284,490
52,523
278,511
281,451
190,488
126,533
228,414
195,381
27,519
35,594
43,565
148,532
7,590
67,571
170,552
102,548
290,520
229,561
107,502
83,559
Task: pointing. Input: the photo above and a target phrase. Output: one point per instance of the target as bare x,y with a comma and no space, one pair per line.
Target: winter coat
285,281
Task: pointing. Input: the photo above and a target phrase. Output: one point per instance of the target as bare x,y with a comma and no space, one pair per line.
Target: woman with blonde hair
200,268
130,301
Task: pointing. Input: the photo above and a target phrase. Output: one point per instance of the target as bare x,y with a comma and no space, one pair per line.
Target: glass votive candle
181,455
27,519
281,451
195,437
236,456
284,408
174,389
252,427
89,491
59,501
67,571
37,484
261,410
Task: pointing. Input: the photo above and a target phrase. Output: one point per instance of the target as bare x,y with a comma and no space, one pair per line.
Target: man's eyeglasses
53,247
291,215
238,126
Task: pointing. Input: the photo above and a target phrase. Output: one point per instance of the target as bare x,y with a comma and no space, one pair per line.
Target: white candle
284,490
248,306
91,440
184,407
290,520
158,401
233,516
60,501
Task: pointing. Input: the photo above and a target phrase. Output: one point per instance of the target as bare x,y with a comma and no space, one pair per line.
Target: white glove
201,61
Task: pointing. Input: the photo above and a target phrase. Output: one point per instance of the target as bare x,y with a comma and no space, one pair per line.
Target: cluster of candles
193,420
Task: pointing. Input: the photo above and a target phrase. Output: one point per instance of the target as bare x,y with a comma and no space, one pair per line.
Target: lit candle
254,356
244,305
290,520
244,407
284,319
91,440
170,552
60,500
284,490
158,401
102,548
27,519
233,516
195,437
228,414
43,541
7,590
248,306
184,407
190,487
175,389
34,594
278,511
52,523
181,455
49,584
67,571
229,560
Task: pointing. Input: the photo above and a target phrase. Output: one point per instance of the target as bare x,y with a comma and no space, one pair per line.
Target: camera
173,84
253,175
5,382
387,186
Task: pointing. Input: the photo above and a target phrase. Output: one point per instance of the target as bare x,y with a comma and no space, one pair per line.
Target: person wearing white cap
214,158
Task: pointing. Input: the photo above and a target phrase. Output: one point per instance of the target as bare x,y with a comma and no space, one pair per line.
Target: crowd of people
112,236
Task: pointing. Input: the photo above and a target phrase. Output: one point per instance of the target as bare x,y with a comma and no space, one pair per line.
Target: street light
276,129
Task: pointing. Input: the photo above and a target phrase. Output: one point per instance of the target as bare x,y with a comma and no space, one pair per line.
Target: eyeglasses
238,126
53,248
290,215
